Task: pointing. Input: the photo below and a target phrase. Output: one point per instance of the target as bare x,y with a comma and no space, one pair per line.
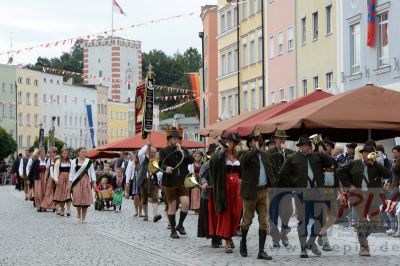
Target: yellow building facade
251,55
240,57
317,32
28,110
117,121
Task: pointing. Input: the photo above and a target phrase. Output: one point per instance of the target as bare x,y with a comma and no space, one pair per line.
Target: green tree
70,61
7,144
58,143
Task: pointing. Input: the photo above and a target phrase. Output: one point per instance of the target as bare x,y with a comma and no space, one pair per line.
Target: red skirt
82,192
62,193
225,224
47,201
38,189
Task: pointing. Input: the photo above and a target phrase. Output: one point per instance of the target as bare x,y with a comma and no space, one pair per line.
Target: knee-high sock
172,222
155,209
182,217
262,236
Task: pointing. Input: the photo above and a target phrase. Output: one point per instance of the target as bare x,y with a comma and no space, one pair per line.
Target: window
20,119
19,97
20,141
280,43
99,60
98,108
76,121
75,100
230,106
11,88
36,99
260,46
304,87
230,62
329,80
253,96
260,92
328,11
235,16
291,93
51,99
244,51
100,74
4,87
58,99
11,111
235,59
282,95
3,111
65,98
236,104
355,49
44,120
223,65
70,120
223,106
28,81
315,25
315,82
251,3
244,9
35,82
28,98
383,41
259,3
44,98
65,120
19,80
290,39
28,120
28,141
35,120
222,23
245,106
228,20
252,49
271,47
272,100
303,30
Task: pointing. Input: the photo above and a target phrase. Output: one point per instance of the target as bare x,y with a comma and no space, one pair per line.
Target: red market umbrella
158,139
98,154
220,127
356,115
245,128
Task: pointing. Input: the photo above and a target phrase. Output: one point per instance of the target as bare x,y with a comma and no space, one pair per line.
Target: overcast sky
35,22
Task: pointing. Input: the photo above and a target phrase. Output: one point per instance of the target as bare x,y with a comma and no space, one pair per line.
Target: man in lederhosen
303,171
363,178
148,182
257,176
280,207
173,179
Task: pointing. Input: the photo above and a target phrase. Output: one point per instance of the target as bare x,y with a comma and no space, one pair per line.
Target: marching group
324,182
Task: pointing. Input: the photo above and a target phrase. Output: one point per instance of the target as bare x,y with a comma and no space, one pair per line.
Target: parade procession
274,138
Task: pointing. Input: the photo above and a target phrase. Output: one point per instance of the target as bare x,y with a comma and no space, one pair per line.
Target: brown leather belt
262,188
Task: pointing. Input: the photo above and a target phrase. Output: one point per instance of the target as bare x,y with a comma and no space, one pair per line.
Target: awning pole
369,134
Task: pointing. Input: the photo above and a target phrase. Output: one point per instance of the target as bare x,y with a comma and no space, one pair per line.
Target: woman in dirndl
226,202
82,180
195,192
37,176
47,202
62,195
132,187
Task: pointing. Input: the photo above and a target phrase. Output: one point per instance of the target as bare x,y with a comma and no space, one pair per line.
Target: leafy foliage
7,144
71,61
58,143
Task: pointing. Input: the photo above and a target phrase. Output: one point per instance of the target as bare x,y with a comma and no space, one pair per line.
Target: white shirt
142,153
28,166
21,167
90,172
51,169
130,170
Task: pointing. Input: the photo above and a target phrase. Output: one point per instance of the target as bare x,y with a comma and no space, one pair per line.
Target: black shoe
174,235
276,245
181,230
327,247
319,240
243,248
263,256
156,218
303,253
314,249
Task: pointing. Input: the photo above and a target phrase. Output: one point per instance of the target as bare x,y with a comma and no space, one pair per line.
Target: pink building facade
280,51
210,27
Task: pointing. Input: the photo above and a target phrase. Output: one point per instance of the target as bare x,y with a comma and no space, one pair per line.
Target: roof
181,121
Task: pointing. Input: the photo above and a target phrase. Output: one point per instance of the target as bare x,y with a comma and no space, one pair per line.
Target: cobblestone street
31,238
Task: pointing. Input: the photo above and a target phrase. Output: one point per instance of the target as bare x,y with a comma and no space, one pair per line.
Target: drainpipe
238,53
263,53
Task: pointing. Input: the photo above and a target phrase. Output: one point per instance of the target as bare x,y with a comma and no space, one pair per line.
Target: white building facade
116,64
